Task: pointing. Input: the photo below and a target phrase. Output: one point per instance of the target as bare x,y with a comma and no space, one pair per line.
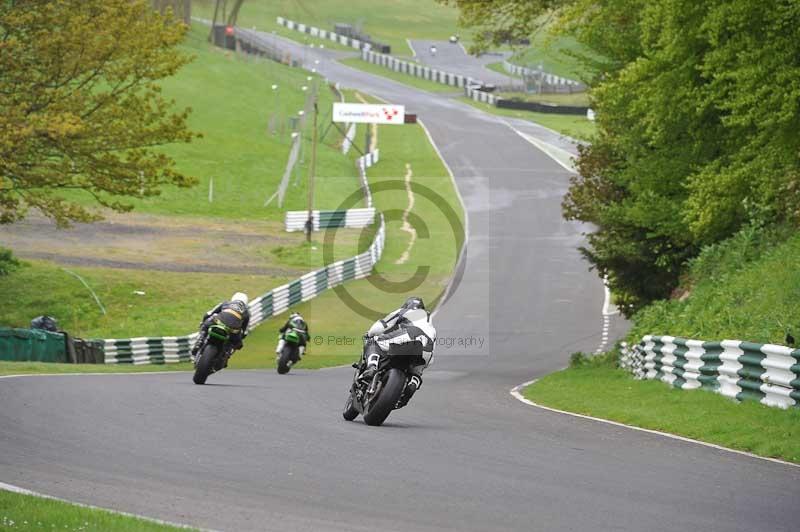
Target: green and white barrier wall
323,34
480,96
766,373
155,350
415,69
352,218
547,79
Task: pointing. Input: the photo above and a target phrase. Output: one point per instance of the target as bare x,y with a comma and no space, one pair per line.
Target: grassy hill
232,102
745,288
391,22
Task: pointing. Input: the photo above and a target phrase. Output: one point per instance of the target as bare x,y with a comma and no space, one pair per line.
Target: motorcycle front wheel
349,413
377,409
204,364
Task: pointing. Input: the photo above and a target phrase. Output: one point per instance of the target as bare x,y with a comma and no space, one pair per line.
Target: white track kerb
516,393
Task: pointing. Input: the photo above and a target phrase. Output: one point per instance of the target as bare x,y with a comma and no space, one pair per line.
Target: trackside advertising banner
368,113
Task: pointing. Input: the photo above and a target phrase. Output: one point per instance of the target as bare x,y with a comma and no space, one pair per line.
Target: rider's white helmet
240,296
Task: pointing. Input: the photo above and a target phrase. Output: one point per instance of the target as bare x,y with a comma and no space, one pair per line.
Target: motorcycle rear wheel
286,359
378,408
205,363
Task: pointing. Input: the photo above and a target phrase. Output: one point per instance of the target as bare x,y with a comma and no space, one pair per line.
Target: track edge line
515,393
462,254
24,491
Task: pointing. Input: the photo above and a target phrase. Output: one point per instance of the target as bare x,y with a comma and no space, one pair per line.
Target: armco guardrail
171,349
766,373
417,70
352,218
323,34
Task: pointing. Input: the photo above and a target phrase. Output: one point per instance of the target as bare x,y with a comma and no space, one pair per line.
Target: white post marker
210,189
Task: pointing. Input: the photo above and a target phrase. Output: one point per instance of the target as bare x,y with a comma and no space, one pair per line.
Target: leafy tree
698,112
699,136
498,21
180,8
79,106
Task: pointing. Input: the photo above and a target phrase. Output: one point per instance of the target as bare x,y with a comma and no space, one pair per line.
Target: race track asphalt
258,451
452,57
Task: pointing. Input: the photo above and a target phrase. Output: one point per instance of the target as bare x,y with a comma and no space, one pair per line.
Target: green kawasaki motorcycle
214,353
290,353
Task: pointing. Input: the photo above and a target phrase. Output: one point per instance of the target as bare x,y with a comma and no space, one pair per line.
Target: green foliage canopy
79,106
698,113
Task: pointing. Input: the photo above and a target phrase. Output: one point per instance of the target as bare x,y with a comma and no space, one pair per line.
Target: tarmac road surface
259,451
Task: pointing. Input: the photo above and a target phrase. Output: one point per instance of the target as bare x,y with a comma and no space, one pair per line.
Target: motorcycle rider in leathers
409,323
235,315
297,323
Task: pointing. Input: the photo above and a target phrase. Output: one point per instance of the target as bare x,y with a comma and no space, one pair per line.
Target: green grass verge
172,305
744,288
233,104
27,512
597,388
173,302
571,125
51,368
390,22
419,83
